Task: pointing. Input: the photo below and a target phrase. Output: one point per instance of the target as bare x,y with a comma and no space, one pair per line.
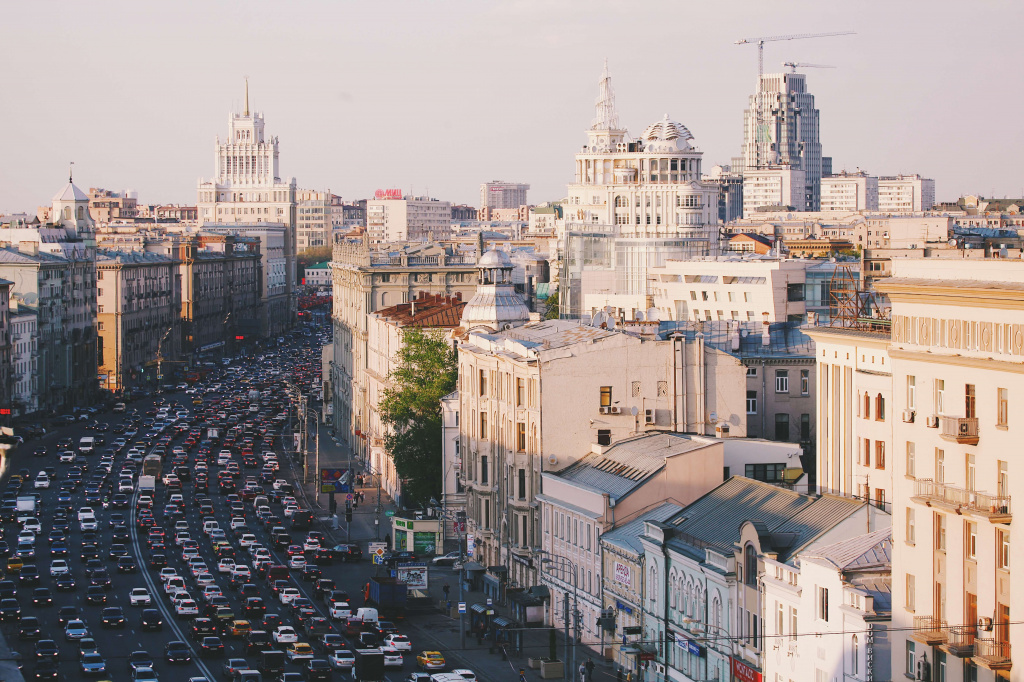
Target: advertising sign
688,645
388,194
414,575
470,545
622,573
334,481
744,673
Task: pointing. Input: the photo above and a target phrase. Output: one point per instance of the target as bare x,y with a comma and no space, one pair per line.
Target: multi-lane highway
103,579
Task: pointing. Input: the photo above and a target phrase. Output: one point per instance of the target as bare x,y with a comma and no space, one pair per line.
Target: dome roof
667,129
494,258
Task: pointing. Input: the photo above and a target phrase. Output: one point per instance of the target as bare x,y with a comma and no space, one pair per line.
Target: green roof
319,266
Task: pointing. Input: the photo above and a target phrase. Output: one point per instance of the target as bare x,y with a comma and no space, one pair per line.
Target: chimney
29,247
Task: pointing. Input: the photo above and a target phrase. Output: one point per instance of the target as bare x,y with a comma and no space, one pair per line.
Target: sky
437,96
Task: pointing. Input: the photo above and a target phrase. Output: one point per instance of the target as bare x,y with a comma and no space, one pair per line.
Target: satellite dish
639,317
599,319
31,298
634,410
714,416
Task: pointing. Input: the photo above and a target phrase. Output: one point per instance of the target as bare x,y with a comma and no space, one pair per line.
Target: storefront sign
688,645
742,672
622,573
413,575
470,545
622,607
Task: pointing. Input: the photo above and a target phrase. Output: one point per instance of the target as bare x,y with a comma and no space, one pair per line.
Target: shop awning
540,591
502,622
472,566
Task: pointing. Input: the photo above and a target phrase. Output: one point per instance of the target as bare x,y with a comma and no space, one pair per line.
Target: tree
314,255
426,371
552,310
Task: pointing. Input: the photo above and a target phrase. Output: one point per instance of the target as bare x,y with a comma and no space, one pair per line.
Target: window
940,466
520,392
1003,406
971,540
1003,549
751,402
604,436
879,454
522,484
970,470
782,427
521,437
866,458
911,454
750,565
909,660
782,381
484,470
805,428
483,382
822,606
880,498
805,381
940,666
606,396
911,534
911,392
940,392
854,655
1003,482
911,596
879,408
483,425
939,521
769,473
970,401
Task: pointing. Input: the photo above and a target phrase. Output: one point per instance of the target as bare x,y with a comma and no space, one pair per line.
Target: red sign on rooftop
388,194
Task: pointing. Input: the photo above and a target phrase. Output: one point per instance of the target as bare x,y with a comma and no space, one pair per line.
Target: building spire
70,173
246,112
607,118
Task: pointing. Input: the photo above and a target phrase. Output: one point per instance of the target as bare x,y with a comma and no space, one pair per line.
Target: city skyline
438,102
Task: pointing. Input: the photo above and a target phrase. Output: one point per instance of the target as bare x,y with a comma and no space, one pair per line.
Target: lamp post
316,467
160,360
722,635
575,615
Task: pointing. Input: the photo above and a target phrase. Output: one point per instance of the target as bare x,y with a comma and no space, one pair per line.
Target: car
151,620
211,646
144,675
465,674
29,628
342,659
232,666
285,634
59,567
66,613
41,597
430,660
394,558
317,669
65,583
113,617
392,657
288,595
297,651
177,652
446,559
139,659
399,642
47,649
75,629
139,596
328,642
418,677
93,664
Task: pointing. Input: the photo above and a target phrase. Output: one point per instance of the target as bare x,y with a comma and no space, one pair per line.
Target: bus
152,465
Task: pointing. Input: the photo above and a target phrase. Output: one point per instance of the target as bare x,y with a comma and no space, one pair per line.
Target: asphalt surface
299,360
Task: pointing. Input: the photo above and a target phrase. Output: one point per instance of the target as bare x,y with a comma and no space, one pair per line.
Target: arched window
716,612
67,213
81,213
867,406
750,565
652,588
880,408
621,202
854,656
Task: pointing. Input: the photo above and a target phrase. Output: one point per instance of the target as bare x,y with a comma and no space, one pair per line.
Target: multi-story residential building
774,188
849,192
957,350
363,282
318,275
497,194
139,310
169,213
462,212
780,128
840,595
705,570
313,219
6,350
633,204
432,313
24,360
730,192
905,194
545,221
740,288
105,205
277,301
453,493
407,219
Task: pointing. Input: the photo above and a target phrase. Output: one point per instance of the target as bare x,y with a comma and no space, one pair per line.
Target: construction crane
802,65
759,132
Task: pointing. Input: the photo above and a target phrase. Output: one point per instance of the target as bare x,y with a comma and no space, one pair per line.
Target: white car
285,634
204,579
341,610
236,522
59,567
297,561
342,659
68,456
226,566
32,525
87,523
392,657
288,594
181,596
311,545
187,607
398,642
242,571
86,511
174,585
139,597
167,573
125,485
465,674
181,536
42,481
247,540
278,483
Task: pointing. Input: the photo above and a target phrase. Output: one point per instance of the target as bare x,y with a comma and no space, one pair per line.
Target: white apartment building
905,194
849,192
24,360
957,354
313,219
827,615
453,493
855,414
773,186
416,219
503,195
746,288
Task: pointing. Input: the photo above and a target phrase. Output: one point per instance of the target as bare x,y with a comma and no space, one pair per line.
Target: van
367,615
210,526
86,445
119,407
277,572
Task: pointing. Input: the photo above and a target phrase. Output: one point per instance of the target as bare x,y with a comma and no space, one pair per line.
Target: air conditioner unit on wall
613,409
908,416
932,422
648,416
605,410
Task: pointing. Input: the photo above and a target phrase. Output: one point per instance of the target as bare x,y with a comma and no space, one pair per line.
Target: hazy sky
440,95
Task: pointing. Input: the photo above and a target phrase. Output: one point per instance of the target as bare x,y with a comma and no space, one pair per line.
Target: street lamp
459,519
575,615
711,642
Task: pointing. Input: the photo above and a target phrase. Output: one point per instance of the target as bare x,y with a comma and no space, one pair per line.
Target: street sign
377,559
389,512
328,487
489,602
349,497
462,607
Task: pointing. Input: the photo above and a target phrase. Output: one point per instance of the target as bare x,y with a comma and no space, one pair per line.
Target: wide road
299,361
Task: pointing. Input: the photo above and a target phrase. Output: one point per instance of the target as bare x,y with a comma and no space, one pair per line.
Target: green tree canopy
426,370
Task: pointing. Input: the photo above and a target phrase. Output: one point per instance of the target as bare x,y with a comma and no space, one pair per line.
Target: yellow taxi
298,651
430,660
14,564
239,628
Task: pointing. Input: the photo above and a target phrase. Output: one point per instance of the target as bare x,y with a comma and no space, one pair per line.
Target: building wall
24,361
905,194
774,187
389,221
849,192
782,386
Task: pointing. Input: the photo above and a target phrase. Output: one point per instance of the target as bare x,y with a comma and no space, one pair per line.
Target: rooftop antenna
246,113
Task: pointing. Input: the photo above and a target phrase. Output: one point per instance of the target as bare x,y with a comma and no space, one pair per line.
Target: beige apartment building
139,305
409,218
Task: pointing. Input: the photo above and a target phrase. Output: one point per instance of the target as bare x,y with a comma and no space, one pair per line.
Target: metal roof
12,255
868,550
627,536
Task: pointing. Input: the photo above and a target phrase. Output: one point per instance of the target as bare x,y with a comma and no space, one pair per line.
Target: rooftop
627,536
864,551
12,255
111,256
429,310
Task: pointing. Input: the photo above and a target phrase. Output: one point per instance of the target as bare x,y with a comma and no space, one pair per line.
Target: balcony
930,630
963,430
992,654
996,508
961,641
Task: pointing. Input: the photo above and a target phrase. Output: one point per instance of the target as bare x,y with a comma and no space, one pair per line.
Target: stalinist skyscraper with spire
246,186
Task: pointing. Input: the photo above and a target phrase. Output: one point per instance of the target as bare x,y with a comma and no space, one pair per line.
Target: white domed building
496,305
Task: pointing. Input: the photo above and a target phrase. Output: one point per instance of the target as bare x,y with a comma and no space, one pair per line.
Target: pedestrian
446,589
590,669
387,539
583,672
480,633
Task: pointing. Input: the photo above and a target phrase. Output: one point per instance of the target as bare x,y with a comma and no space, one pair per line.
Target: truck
147,484
26,508
388,594
272,662
152,465
369,665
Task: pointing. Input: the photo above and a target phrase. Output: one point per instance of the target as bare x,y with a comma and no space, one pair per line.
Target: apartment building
957,349
105,205
498,194
407,219
313,219
24,360
849,192
905,194
776,187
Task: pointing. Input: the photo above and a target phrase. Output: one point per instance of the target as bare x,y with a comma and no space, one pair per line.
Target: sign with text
470,545
388,194
622,573
744,673
413,575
